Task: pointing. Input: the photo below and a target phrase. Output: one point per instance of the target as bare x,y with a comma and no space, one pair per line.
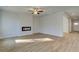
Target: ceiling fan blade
41,11
38,13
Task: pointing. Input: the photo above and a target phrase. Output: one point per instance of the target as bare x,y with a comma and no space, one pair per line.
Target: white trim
13,36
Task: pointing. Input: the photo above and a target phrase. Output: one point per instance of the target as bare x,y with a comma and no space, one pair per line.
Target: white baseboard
54,34
3,37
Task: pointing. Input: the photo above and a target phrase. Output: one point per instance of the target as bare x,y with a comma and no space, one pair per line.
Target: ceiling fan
36,10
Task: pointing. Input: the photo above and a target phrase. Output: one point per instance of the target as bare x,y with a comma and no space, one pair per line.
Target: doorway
75,25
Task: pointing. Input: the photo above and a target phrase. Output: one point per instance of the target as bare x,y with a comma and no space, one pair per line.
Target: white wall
65,24
12,23
35,24
0,24
52,24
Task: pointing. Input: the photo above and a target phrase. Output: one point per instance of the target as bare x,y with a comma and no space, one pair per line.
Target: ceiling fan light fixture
36,11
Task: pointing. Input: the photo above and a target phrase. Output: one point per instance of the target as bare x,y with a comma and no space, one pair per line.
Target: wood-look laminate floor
41,43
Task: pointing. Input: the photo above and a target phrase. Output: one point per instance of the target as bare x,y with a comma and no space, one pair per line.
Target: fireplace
26,28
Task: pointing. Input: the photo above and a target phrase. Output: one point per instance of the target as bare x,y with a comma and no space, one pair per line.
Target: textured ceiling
48,9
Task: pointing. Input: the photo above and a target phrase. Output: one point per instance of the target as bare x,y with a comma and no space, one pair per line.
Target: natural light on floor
33,40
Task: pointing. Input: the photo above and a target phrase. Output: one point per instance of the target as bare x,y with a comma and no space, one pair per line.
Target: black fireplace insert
26,28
